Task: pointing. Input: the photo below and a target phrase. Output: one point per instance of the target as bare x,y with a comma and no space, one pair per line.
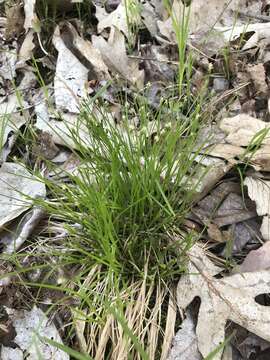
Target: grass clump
130,194
123,211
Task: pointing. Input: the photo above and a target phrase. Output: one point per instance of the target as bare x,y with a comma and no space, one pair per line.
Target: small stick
264,18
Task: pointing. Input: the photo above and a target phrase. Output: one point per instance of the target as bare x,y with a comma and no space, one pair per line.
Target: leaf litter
81,57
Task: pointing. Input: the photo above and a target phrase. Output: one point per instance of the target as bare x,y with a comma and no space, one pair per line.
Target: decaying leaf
70,78
30,15
29,325
257,260
17,186
211,30
242,128
259,191
15,20
10,124
114,55
11,354
224,206
97,69
117,18
231,298
26,50
258,76
242,131
15,235
185,344
8,58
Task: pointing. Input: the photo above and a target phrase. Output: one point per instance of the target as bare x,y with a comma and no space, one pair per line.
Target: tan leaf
242,128
114,55
231,298
226,151
258,76
92,54
26,50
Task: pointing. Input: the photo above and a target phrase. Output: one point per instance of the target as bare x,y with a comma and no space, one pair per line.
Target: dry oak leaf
242,128
259,191
18,188
114,56
231,298
70,77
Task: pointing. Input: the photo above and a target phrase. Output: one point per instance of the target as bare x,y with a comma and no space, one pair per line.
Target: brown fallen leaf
231,298
15,21
26,50
258,76
242,128
97,69
114,55
224,206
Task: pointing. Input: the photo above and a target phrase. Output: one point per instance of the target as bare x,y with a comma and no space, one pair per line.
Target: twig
264,18
152,59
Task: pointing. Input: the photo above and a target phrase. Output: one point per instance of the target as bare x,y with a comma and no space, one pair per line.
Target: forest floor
134,179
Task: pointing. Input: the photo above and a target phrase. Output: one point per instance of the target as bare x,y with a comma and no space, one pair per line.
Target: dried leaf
30,15
231,298
9,124
242,128
92,54
11,354
185,344
15,21
259,191
258,76
8,58
28,325
114,55
14,237
17,185
26,50
259,31
117,18
70,78
11,105
64,131
211,30
257,260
